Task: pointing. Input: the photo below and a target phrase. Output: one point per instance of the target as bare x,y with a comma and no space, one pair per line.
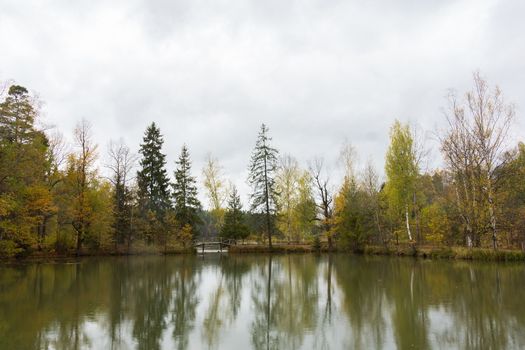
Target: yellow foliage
435,223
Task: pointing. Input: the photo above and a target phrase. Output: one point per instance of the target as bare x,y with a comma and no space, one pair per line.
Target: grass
404,249
447,252
277,248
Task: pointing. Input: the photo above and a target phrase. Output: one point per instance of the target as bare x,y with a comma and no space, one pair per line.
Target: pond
262,302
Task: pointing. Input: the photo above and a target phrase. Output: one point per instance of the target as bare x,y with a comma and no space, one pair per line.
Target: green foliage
353,217
55,201
24,198
305,210
187,204
234,226
402,173
152,178
263,168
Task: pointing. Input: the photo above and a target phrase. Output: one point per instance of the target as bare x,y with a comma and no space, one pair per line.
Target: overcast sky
210,72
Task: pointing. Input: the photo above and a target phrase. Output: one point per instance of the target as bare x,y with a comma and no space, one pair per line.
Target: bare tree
370,183
348,159
121,164
473,147
57,153
324,200
83,170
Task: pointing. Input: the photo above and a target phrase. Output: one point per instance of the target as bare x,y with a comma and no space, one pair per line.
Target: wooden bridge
216,245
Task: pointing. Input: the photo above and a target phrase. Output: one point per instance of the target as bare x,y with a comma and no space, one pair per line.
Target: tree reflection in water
262,302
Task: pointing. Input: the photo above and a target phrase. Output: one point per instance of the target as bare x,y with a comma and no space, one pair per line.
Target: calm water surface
262,302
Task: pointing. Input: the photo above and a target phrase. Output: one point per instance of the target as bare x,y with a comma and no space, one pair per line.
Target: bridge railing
224,242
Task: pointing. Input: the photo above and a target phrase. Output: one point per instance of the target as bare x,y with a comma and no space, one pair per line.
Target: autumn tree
81,170
286,184
402,173
511,196
473,147
24,198
216,190
350,214
353,217
263,168
305,210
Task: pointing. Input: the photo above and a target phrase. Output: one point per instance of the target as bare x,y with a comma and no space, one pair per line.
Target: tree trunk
492,219
268,302
267,197
408,223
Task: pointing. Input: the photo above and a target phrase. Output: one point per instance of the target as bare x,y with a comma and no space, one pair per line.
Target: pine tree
234,226
152,178
262,169
185,198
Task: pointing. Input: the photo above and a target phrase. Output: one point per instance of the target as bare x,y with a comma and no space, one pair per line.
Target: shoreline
420,252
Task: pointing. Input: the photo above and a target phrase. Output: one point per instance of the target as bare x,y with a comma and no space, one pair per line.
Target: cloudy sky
210,72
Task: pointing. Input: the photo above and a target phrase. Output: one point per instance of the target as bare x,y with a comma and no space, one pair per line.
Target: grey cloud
209,72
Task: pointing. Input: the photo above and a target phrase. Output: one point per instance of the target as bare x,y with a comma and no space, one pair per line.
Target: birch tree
287,181
216,189
401,172
473,146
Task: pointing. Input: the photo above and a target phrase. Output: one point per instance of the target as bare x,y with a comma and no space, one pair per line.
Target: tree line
53,196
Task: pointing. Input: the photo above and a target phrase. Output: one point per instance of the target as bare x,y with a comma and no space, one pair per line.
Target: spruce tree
185,198
152,178
234,226
263,167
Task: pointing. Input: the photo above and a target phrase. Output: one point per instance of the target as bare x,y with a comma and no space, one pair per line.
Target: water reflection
262,302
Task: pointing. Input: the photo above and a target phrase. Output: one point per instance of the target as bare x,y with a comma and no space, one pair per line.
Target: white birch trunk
408,223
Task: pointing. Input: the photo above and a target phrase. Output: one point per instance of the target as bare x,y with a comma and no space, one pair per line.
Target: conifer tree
152,178
263,167
187,204
234,226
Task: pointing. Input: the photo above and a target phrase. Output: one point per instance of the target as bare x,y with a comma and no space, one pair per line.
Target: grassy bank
51,255
447,252
426,252
277,248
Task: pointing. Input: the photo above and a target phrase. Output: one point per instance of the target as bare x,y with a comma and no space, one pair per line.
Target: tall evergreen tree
152,178
234,226
187,204
263,168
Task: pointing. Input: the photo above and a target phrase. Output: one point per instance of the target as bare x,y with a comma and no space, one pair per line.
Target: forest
55,197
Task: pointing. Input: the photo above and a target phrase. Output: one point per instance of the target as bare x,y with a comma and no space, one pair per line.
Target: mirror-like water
262,302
